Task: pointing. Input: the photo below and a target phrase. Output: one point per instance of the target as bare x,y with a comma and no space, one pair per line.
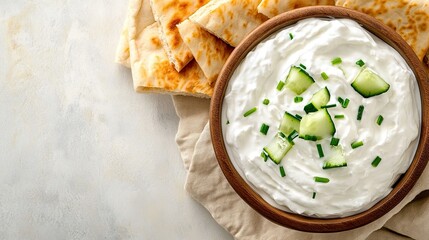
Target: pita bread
151,68
145,19
169,13
209,51
123,50
271,8
409,18
230,20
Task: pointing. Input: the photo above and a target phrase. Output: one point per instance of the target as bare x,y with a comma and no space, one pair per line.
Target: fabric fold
191,124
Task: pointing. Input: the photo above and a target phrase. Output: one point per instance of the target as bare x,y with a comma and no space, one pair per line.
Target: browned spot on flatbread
230,15
172,24
228,35
275,7
156,42
196,34
175,4
167,77
199,54
423,26
220,16
144,75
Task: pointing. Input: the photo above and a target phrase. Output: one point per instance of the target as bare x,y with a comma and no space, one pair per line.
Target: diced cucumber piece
278,147
336,159
368,84
289,123
298,80
318,124
319,99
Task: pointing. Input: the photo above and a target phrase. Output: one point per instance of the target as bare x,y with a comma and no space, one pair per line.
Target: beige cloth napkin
206,184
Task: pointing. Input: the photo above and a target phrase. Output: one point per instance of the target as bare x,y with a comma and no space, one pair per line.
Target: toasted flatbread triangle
152,71
271,8
230,20
409,18
169,13
145,19
209,51
151,68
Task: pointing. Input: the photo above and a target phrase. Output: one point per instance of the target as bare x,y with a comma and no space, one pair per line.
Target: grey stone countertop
82,156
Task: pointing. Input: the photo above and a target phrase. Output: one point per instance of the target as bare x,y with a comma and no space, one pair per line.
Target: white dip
315,43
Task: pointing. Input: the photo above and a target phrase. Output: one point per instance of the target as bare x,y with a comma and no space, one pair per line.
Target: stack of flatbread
180,46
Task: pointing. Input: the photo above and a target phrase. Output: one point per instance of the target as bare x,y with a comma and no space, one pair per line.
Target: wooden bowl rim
296,221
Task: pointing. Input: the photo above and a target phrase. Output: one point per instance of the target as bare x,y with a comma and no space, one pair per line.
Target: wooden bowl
296,221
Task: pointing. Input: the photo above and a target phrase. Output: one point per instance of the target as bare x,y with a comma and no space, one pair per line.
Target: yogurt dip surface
314,43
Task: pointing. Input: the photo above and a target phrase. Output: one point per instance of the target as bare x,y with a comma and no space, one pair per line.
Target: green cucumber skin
321,92
299,70
289,123
293,116
331,123
326,165
367,94
336,159
306,73
284,142
310,108
319,99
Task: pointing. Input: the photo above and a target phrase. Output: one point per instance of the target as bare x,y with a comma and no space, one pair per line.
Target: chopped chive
376,161
298,99
290,36
298,116
264,128
320,150
329,106
360,112
334,141
314,195
360,63
250,111
339,116
324,76
346,103
264,156
310,138
294,134
280,85
282,171
302,66
356,144
336,61
227,122
266,101
380,120
321,179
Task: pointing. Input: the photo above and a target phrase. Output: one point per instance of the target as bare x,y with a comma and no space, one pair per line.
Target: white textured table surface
81,155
